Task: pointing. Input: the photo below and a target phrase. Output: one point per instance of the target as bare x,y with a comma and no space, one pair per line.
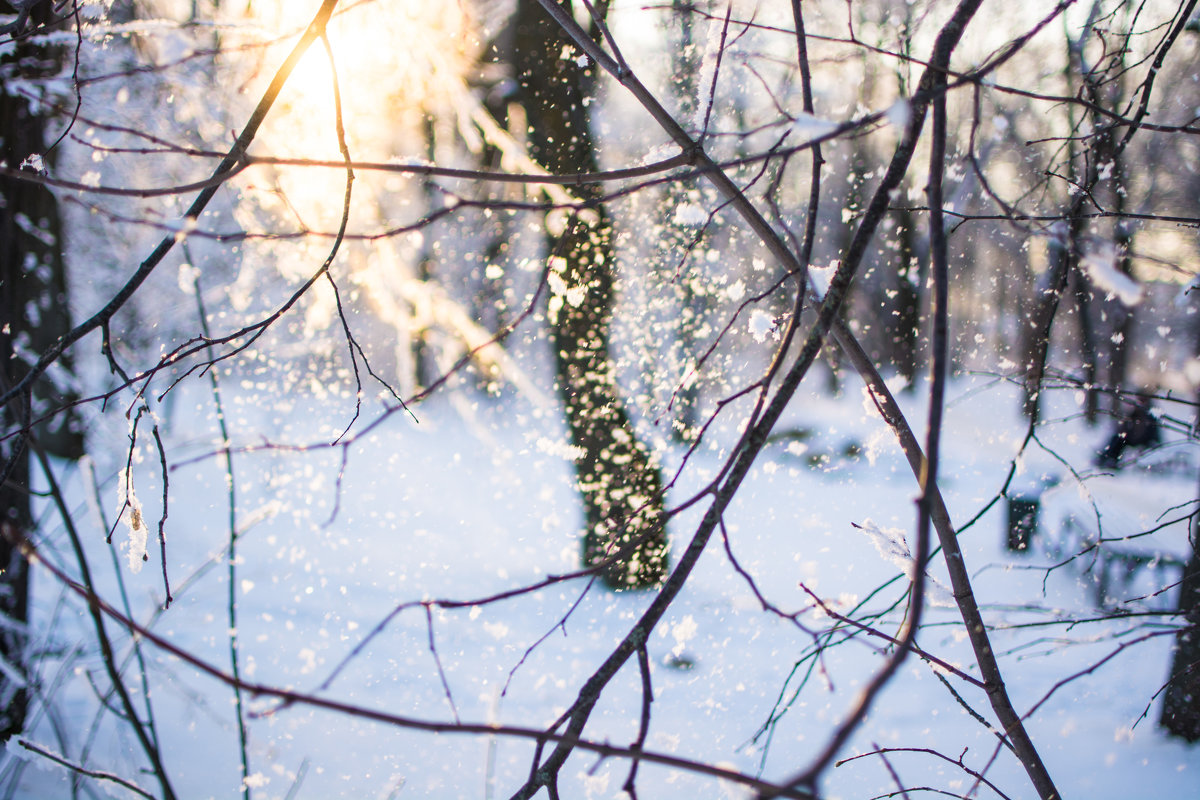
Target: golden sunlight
402,70
398,62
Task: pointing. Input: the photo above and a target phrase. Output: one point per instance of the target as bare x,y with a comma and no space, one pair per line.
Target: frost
187,278
813,127
690,214
256,781
559,448
1101,266
713,45
667,742
820,277
892,545
554,277
130,509
761,325
736,290
497,630
556,224
309,657
729,789
660,153
596,785
410,161
871,401
683,632
898,114
576,295
35,162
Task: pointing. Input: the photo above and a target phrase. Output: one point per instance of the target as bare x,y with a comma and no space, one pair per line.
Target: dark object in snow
1138,430
1181,701
1022,521
24,8
682,662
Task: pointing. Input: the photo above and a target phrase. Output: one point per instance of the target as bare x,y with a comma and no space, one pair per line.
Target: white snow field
461,510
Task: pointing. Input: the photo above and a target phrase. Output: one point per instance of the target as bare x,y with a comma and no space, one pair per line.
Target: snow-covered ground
462,510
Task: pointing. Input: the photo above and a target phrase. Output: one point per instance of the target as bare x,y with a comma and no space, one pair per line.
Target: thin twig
91,773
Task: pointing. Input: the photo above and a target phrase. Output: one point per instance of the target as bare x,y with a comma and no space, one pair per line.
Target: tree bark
619,482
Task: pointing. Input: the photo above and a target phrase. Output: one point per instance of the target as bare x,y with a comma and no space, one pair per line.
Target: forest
599,398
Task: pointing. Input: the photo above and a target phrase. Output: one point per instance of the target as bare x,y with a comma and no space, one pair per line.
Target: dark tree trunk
1048,291
33,313
1087,345
14,582
680,239
1181,702
909,283
620,484
1120,344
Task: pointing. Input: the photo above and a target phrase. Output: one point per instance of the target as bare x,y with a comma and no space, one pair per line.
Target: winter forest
599,398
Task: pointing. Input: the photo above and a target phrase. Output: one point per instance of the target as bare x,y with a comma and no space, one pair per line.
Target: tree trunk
33,311
679,238
619,482
1120,344
1087,344
910,280
1181,702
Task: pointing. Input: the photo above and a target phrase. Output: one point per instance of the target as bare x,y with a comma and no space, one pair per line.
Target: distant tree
618,480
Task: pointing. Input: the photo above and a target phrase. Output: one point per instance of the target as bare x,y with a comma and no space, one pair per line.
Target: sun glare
401,68
396,62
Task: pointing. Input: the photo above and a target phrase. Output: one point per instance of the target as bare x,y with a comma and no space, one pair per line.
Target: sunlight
402,69
396,63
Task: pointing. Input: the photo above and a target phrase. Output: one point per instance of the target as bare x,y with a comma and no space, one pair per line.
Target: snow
761,325
898,114
129,509
809,126
893,547
1101,265
819,278
432,510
